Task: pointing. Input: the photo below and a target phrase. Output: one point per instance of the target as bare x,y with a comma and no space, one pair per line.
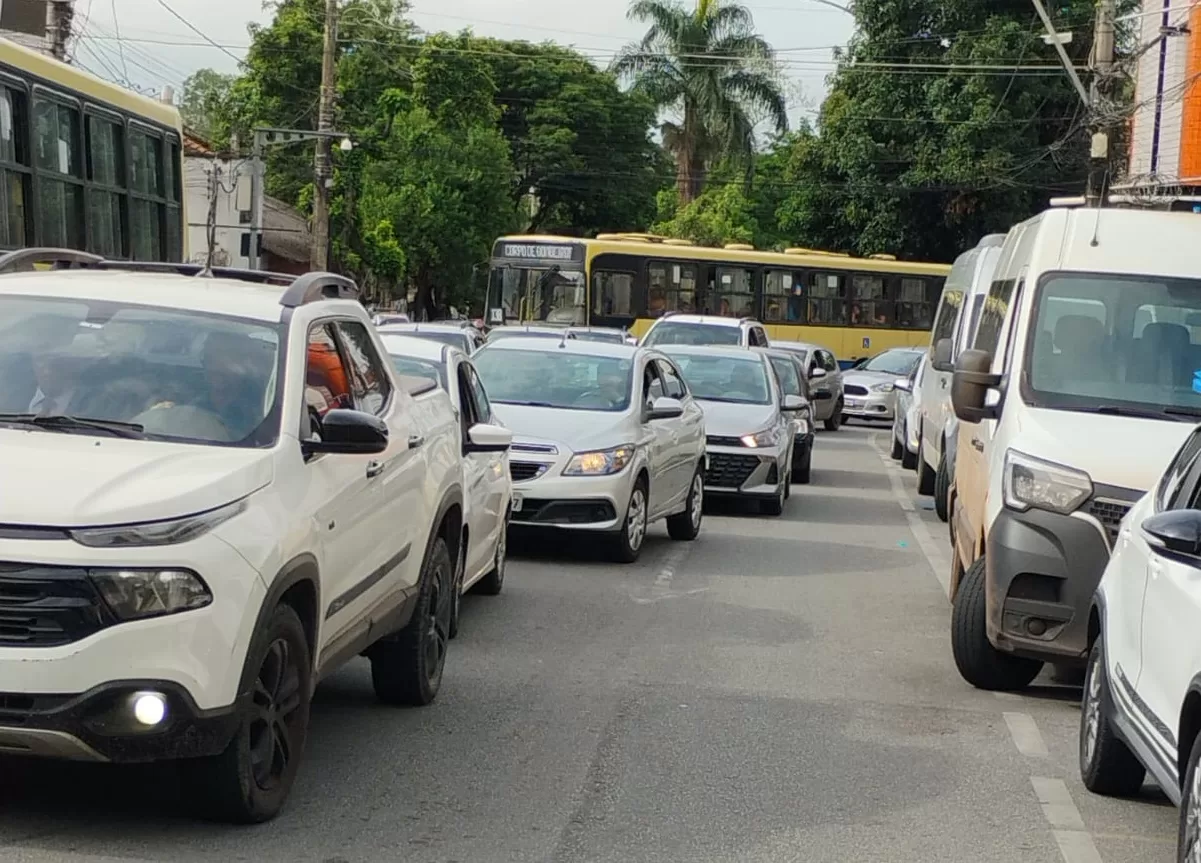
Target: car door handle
374,469
978,444
415,441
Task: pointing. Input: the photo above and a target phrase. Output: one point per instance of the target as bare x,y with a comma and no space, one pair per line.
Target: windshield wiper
1119,411
726,401
68,423
526,404
1182,411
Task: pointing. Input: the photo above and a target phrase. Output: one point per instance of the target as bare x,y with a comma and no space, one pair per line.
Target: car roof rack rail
197,270
319,286
59,259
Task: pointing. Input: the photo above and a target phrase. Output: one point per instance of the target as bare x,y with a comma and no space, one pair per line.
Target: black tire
492,583
686,526
247,784
626,545
942,487
981,664
1107,766
925,473
1189,833
843,419
908,459
898,448
803,472
456,601
835,419
406,669
774,506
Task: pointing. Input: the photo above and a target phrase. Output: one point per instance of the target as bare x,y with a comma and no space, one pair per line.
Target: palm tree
714,73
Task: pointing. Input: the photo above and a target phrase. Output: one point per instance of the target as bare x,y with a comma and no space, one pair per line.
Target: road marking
1076,846
1057,804
1026,736
939,562
1007,696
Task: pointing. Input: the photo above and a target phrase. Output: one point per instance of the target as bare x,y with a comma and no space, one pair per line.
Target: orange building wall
1190,122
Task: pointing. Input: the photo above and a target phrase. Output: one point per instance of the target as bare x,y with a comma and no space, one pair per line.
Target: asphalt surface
779,690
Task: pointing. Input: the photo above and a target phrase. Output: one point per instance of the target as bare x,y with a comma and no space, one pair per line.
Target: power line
198,31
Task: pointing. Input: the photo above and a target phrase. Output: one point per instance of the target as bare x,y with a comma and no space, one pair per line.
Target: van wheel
1107,765
925,473
249,782
1190,807
835,419
981,664
686,526
942,488
406,669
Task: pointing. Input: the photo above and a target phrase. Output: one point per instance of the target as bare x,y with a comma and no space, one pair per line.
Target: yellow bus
856,307
85,164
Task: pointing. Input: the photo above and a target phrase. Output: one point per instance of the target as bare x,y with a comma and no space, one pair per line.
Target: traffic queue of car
1054,419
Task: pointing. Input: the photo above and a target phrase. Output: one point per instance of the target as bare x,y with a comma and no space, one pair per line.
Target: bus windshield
551,294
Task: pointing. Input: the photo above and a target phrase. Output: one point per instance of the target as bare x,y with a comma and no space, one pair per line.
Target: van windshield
1116,343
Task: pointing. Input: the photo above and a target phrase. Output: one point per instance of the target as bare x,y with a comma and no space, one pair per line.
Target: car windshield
1112,343
178,375
899,363
556,379
725,378
682,333
435,372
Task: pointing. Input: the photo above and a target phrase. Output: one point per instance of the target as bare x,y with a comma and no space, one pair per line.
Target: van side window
948,314
993,314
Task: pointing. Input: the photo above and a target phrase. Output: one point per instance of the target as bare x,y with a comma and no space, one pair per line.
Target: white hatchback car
608,438
217,492
487,488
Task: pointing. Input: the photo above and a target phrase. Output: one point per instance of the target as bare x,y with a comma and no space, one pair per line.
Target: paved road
780,690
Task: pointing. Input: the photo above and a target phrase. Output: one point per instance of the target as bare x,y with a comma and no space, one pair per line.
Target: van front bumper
1041,571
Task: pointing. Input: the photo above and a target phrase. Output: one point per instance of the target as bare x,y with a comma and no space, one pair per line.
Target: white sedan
487,487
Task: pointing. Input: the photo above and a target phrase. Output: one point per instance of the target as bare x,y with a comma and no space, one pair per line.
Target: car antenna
563,341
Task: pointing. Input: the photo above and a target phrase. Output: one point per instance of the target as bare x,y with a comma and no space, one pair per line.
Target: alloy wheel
1092,710
1192,824
698,500
275,721
437,631
636,519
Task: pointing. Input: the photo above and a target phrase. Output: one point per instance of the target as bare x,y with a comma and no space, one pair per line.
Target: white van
1083,379
954,324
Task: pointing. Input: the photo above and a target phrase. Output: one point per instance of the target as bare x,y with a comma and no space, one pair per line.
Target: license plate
518,501
854,403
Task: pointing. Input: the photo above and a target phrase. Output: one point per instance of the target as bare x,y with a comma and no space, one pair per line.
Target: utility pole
1100,105
210,234
59,14
319,256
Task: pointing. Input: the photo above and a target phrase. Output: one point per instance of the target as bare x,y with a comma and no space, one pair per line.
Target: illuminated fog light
149,708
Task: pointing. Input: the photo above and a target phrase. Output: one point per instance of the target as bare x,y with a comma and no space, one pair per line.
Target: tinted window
554,378
899,363
828,362
673,385
725,379
1172,489
680,333
479,394
948,313
992,316
613,294
435,372
786,371
368,381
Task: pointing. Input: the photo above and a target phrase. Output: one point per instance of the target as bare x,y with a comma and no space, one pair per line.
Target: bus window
670,288
14,168
868,306
145,184
106,171
827,300
60,180
612,294
783,297
174,197
734,296
915,308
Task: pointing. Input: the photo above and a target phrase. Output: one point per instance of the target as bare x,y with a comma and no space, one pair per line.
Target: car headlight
602,462
134,594
883,388
170,532
765,438
1031,482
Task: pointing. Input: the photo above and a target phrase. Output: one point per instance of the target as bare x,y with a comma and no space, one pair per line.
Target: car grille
854,390
43,606
730,471
520,471
1110,513
716,440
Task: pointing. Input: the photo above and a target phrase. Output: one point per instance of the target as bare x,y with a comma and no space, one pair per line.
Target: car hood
579,431
1130,452
869,379
723,419
70,480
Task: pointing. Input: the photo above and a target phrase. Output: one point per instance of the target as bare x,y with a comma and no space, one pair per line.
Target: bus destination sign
540,251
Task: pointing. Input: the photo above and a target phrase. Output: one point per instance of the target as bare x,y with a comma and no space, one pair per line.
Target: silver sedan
870,390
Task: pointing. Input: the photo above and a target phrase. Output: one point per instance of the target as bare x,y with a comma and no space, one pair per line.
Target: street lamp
265,136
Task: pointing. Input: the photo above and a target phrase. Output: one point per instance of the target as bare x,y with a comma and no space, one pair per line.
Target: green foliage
925,164
708,68
721,214
204,103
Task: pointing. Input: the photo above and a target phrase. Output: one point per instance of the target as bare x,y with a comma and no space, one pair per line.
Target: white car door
485,481
663,438
688,432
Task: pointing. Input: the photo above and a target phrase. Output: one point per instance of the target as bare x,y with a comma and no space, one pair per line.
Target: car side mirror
485,437
942,356
794,403
817,374
1175,531
349,432
903,384
665,408
970,385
